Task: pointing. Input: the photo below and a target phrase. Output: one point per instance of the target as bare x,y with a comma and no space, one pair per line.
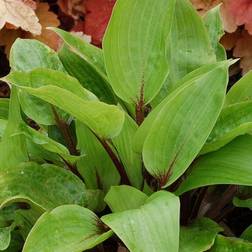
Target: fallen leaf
73,8
47,19
19,14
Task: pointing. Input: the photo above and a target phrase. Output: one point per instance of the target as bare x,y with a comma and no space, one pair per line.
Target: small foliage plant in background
137,146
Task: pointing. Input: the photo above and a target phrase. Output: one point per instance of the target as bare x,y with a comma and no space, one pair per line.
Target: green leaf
183,124
190,45
234,120
135,47
4,108
105,120
241,91
131,160
35,108
3,124
45,186
215,29
229,165
230,244
121,198
91,54
247,234
145,127
5,237
96,167
86,74
154,227
68,228
199,236
28,54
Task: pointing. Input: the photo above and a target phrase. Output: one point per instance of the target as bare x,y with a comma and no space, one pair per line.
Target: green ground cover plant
139,145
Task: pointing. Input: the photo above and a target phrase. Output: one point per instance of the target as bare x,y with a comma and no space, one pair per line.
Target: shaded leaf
86,74
72,229
247,234
121,198
96,166
156,221
229,165
5,237
131,63
131,160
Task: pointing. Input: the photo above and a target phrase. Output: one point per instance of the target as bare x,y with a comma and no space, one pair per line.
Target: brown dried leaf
73,8
47,19
18,14
243,50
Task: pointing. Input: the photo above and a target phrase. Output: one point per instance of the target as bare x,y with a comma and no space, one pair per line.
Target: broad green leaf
230,244
135,48
35,108
45,186
215,29
183,124
131,160
86,74
247,234
68,228
190,45
199,236
28,54
105,120
241,91
4,108
233,121
96,167
145,127
5,237
229,165
90,53
121,198
154,227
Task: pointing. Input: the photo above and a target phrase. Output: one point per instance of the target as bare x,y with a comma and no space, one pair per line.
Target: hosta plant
137,146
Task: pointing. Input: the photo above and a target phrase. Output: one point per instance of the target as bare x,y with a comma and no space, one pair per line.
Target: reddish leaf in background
236,13
98,13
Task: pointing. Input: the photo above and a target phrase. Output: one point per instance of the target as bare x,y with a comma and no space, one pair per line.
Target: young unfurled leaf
199,236
229,165
156,221
183,124
121,198
68,228
135,48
